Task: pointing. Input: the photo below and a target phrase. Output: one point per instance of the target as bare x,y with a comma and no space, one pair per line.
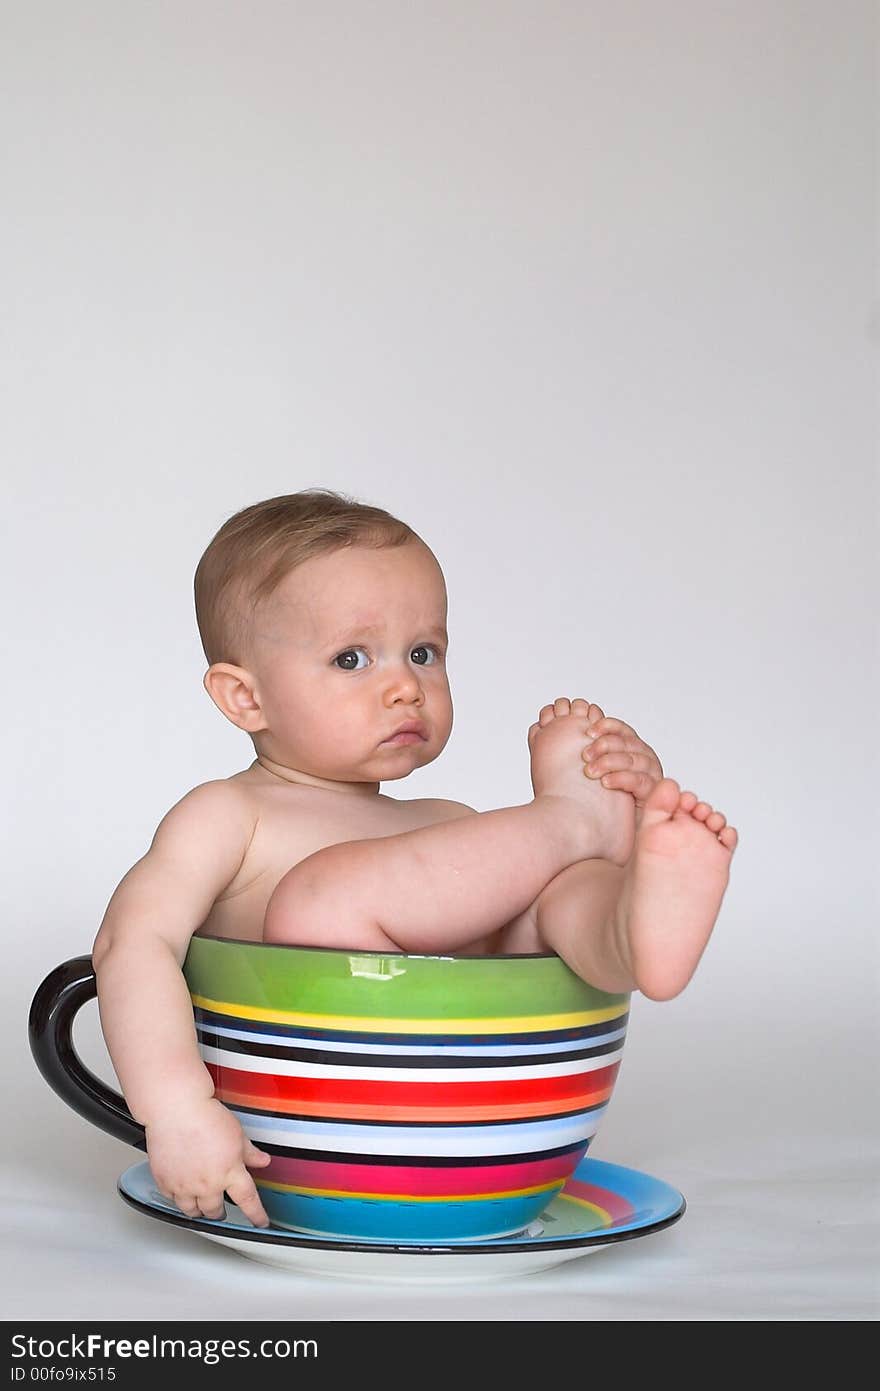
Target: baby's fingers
640,784
618,760
200,1204
185,1203
254,1158
211,1205
607,724
243,1192
609,733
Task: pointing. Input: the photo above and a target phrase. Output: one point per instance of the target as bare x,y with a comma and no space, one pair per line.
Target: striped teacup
406,1098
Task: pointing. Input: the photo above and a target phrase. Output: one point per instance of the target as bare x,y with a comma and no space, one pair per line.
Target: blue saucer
601,1204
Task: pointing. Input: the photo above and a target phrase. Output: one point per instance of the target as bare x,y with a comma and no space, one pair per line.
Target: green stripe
375,985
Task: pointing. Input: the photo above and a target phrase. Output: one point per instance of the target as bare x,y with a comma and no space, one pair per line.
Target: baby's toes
580,706
549,712
688,801
729,838
716,822
533,729
701,811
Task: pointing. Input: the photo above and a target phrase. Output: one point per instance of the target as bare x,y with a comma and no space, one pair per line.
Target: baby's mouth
413,732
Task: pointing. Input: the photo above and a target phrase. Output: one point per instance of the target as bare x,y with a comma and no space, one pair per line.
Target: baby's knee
318,903
303,898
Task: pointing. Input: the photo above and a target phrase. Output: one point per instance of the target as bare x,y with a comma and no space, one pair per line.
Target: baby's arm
195,1145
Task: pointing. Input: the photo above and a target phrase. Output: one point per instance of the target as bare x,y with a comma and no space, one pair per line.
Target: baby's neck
286,774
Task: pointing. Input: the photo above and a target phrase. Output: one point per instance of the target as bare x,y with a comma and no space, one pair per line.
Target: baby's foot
672,889
603,820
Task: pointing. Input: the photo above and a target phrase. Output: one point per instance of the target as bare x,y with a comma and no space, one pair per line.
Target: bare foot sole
604,819
673,888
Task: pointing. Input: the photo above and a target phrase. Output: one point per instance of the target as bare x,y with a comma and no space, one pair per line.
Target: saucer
601,1204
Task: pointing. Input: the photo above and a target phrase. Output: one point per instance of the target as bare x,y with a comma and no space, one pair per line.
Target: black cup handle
50,1026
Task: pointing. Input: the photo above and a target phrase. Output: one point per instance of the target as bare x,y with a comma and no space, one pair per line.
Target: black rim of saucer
602,1237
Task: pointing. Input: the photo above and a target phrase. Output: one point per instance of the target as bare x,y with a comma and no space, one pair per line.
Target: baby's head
324,624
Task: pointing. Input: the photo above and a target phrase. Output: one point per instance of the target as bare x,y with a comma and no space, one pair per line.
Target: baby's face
351,646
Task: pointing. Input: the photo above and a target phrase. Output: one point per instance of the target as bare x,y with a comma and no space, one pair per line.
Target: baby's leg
672,888
443,887
644,927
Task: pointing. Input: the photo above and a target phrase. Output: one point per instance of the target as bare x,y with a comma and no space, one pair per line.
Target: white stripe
462,1140
288,1067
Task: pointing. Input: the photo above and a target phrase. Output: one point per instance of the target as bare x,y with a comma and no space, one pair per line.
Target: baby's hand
620,758
200,1150
614,752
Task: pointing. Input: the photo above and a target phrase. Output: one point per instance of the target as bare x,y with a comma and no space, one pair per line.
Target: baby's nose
404,684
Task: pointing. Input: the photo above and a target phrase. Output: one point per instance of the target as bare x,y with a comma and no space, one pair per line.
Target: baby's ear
233,691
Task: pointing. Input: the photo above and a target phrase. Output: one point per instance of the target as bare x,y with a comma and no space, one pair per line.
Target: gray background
586,292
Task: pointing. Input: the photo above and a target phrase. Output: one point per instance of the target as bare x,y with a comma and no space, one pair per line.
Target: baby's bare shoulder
221,804
219,795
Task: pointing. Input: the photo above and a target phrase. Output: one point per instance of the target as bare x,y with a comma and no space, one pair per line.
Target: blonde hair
259,546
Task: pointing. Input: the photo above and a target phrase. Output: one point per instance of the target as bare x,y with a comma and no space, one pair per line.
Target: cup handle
50,1027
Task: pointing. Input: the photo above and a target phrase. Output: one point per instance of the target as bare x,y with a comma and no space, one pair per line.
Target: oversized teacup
402,1098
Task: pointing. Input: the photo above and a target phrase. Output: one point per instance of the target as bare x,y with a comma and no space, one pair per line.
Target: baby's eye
350,652
418,661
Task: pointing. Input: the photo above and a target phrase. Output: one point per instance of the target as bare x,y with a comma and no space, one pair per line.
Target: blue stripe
386,1219
519,1137
406,1049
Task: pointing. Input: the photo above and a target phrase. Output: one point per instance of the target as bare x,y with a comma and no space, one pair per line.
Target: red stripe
388,1179
613,1203
270,1090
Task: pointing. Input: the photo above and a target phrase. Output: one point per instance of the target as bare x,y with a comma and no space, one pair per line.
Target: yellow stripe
602,1212
515,1025
407,1197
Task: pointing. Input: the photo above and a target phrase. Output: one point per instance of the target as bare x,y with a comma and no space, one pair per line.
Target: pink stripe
414,1179
613,1203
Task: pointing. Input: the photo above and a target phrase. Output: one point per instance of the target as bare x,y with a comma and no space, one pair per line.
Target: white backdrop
586,293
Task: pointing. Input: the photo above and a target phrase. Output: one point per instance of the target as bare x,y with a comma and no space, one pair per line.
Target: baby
324,624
